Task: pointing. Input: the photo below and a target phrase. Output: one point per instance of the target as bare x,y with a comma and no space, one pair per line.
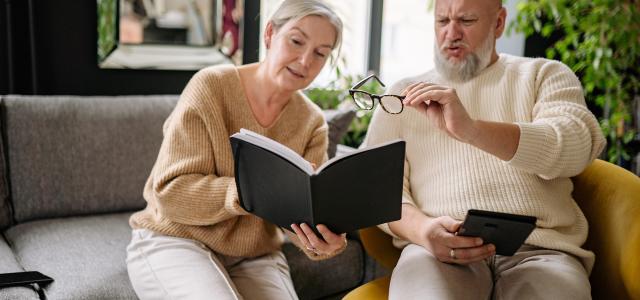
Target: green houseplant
107,27
600,41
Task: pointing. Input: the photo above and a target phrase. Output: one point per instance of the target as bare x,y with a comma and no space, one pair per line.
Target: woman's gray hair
293,10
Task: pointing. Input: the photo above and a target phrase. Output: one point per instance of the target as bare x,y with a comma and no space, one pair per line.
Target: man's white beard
470,66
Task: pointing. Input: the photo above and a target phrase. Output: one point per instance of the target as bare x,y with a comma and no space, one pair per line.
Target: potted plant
600,41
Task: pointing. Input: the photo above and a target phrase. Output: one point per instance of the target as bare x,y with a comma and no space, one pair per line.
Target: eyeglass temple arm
361,82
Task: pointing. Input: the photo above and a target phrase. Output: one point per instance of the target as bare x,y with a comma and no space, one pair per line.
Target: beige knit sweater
191,192
559,137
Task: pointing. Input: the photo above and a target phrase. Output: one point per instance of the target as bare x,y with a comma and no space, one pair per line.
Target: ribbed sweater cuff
232,200
529,154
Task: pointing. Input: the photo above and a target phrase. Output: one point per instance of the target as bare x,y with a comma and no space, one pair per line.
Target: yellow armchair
609,197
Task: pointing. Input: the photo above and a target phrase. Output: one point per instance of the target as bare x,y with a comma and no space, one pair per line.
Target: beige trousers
532,273
165,267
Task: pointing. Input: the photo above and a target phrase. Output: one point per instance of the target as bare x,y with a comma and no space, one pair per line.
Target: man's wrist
472,132
500,139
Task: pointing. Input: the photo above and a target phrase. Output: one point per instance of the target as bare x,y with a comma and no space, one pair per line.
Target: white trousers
532,273
165,267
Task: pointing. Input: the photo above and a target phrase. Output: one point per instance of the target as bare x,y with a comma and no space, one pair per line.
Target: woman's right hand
330,243
439,237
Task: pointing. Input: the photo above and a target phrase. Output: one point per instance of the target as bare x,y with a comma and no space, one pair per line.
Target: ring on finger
312,249
452,253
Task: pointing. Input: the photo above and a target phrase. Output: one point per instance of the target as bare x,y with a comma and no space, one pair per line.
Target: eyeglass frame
354,89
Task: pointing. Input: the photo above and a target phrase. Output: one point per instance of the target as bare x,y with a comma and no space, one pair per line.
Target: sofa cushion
338,122
9,264
86,258
319,279
64,152
84,255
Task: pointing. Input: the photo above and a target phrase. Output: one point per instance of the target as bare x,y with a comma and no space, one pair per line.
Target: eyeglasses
364,100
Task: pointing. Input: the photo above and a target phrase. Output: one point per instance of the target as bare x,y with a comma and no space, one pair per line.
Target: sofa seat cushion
320,279
9,264
86,258
84,255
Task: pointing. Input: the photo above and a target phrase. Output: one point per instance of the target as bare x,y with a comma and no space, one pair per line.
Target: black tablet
506,231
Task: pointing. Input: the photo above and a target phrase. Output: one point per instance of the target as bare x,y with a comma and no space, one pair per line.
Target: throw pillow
338,121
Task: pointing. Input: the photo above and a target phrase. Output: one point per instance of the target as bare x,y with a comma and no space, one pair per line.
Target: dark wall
536,45
4,68
49,47
15,61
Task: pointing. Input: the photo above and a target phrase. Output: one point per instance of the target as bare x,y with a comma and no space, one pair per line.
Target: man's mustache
456,43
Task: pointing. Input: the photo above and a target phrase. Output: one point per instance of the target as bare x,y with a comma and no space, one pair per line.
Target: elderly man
493,132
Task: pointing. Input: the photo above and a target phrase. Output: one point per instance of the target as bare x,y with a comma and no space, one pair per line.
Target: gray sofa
73,169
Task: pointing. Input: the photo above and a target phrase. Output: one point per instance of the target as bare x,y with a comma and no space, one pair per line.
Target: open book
357,190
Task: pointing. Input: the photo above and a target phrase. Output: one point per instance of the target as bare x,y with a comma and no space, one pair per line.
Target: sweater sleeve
564,136
183,181
386,127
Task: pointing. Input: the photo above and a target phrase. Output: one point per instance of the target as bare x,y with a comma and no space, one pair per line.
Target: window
407,39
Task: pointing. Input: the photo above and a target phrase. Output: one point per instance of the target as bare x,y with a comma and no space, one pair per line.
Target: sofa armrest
379,245
609,197
375,290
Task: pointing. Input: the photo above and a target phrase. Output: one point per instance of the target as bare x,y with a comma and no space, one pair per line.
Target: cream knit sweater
191,192
559,137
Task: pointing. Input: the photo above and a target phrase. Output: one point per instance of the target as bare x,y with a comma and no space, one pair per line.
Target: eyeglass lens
391,104
363,100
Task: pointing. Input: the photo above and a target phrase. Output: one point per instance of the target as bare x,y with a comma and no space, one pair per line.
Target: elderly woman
194,240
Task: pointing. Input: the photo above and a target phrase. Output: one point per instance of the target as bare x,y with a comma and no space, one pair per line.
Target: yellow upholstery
374,290
609,197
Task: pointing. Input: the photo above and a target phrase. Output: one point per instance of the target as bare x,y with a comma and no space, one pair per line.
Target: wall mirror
169,34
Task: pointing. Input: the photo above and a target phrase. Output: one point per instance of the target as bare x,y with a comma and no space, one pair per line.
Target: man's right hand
439,237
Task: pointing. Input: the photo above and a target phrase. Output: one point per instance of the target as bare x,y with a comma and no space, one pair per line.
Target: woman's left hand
331,244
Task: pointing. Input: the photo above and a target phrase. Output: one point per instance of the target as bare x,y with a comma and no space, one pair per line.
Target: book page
275,147
355,152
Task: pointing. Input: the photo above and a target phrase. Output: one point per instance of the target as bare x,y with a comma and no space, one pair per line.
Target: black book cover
354,191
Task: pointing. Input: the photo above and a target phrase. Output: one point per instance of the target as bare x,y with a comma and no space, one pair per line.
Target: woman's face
298,50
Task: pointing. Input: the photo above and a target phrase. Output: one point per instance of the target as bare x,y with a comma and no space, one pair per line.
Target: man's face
466,31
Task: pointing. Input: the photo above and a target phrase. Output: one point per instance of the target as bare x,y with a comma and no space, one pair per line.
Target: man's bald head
489,4
466,31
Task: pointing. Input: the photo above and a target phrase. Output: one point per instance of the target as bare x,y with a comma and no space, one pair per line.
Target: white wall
511,43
